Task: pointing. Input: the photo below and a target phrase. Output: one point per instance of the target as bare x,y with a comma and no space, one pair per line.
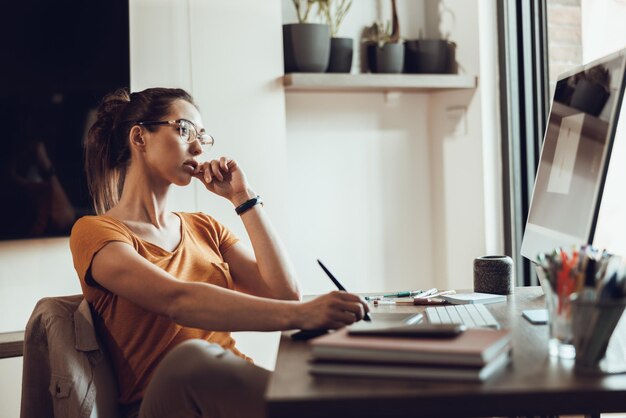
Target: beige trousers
200,379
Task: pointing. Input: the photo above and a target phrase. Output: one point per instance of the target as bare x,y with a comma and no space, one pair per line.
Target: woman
166,288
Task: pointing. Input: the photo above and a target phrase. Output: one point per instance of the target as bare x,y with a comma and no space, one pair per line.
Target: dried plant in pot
306,46
384,48
341,49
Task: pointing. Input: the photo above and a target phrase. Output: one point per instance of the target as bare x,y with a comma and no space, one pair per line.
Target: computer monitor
567,201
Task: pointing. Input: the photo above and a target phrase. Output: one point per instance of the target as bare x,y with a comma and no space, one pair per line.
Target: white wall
603,29
359,188
465,151
10,387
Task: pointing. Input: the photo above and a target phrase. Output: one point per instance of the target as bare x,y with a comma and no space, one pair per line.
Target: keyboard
472,316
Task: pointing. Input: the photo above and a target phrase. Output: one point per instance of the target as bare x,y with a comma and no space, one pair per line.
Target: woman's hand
224,178
333,310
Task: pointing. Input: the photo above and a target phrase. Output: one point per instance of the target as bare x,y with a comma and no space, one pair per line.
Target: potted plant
436,56
385,52
341,49
306,46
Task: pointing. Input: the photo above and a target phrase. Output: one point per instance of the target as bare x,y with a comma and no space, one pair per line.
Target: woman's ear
136,137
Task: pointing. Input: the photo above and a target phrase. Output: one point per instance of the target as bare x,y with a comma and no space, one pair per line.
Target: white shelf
377,82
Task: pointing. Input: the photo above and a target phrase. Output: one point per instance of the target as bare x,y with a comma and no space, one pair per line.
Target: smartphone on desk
410,331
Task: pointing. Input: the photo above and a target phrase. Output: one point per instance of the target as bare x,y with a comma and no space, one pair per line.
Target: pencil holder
559,321
593,326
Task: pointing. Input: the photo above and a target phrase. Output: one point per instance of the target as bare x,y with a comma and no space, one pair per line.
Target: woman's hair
107,150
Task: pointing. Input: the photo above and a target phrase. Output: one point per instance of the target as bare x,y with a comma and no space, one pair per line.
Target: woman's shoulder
95,220
93,224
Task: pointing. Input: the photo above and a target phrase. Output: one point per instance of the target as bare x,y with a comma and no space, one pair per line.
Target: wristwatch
248,204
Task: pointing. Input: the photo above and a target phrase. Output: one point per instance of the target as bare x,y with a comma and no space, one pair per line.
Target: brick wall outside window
564,37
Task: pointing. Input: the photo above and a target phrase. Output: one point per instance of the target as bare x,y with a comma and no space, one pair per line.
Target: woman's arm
119,268
268,272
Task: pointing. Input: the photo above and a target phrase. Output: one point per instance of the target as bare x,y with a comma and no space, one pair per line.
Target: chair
66,372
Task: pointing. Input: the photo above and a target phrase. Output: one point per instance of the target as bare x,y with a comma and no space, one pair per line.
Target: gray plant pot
306,47
390,58
386,59
341,50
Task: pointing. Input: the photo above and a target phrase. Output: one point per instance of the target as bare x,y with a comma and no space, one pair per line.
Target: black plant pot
306,47
386,59
434,56
341,50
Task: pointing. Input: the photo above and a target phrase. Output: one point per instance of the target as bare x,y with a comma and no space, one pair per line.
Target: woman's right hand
331,311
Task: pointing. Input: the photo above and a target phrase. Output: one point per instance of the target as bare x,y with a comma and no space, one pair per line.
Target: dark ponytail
107,150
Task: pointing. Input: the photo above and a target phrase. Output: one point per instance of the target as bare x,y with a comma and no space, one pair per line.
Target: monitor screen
60,60
573,163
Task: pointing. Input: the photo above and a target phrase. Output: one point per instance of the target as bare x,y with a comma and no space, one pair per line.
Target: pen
395,295
403,294
434,295
339,286
426,293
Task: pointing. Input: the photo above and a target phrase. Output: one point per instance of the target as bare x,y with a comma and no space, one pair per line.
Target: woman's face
166,154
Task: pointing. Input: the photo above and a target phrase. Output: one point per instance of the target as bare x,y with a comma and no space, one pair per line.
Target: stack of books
474,355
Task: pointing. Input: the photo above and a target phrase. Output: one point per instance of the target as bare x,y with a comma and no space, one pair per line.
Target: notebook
475,298
474,347
412,371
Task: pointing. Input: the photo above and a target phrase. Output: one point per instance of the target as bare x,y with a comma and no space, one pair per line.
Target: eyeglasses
187,131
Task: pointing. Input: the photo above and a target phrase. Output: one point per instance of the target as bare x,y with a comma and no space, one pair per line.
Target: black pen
366,317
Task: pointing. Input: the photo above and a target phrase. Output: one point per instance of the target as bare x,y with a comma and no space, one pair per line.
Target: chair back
66,371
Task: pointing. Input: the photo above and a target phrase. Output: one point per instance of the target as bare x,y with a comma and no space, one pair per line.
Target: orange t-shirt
137,339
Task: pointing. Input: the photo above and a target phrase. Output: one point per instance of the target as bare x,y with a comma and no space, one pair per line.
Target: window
564,38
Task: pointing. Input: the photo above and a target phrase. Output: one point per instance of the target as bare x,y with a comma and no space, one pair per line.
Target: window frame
524,106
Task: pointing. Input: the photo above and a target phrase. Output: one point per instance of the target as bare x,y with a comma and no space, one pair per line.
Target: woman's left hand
223,177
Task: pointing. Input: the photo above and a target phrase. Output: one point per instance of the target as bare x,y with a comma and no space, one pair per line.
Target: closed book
474,347
412,371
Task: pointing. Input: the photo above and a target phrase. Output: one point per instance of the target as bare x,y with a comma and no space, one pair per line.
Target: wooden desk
533,384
